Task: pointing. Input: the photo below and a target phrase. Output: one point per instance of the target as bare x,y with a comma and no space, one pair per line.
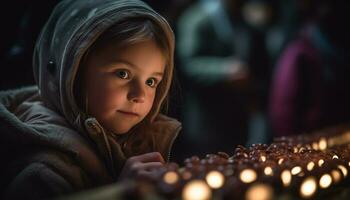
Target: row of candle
300,166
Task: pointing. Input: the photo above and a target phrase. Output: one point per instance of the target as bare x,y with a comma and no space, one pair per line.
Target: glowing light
286,177
343,170
320,162
336,176
248,175
310,166
349,163
322,144
335,157
308,187
280,161
325,181
268,171
196,190
259,192
296,170
245,155
215,179
171,177
295,150
315,145
263,158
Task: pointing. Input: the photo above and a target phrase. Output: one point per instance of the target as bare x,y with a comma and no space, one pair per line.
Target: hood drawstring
95,132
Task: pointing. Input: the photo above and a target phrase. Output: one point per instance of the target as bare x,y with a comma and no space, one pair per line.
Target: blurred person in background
310,86
223,63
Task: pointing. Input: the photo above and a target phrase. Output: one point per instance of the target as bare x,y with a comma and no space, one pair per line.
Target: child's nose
137,93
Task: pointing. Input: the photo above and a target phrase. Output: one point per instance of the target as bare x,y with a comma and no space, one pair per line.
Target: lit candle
196,190
322,144
343,170
248,175
170,177
286,177
259,192
325,181
336,175
296,170
310,166
268,171
215,179
263,158
280,161
320,162
308,187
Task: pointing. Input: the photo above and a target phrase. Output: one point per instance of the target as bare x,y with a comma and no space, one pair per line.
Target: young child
103,70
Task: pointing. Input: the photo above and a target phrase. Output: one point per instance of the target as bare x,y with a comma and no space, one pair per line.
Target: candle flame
263,158
310,166
336,175
296,170
215,179
196,190
320,162
343,170
325,181
280,161
248,175
268,171
308,187
286,177
322,144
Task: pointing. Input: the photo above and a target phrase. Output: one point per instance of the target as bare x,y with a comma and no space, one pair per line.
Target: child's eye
123,74
152,82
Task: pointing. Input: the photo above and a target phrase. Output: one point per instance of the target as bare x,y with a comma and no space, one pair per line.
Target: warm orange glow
343,170
320,162
308,187
248,175
286,177
325,181
335,157
268,171
259,192
322,144
215,179
315,145
280,161
336,175
171,177
263,158
296,170
295,150
196,190
310,166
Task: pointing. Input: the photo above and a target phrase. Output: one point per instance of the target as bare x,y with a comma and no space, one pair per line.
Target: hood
72,28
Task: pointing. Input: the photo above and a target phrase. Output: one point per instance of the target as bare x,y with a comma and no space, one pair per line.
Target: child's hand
142,166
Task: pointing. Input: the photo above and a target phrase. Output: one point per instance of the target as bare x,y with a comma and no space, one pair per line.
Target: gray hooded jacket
49,147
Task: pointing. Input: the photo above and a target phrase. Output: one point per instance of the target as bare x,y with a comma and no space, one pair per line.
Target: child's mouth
128,113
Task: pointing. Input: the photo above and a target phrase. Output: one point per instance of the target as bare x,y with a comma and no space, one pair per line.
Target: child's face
121,83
